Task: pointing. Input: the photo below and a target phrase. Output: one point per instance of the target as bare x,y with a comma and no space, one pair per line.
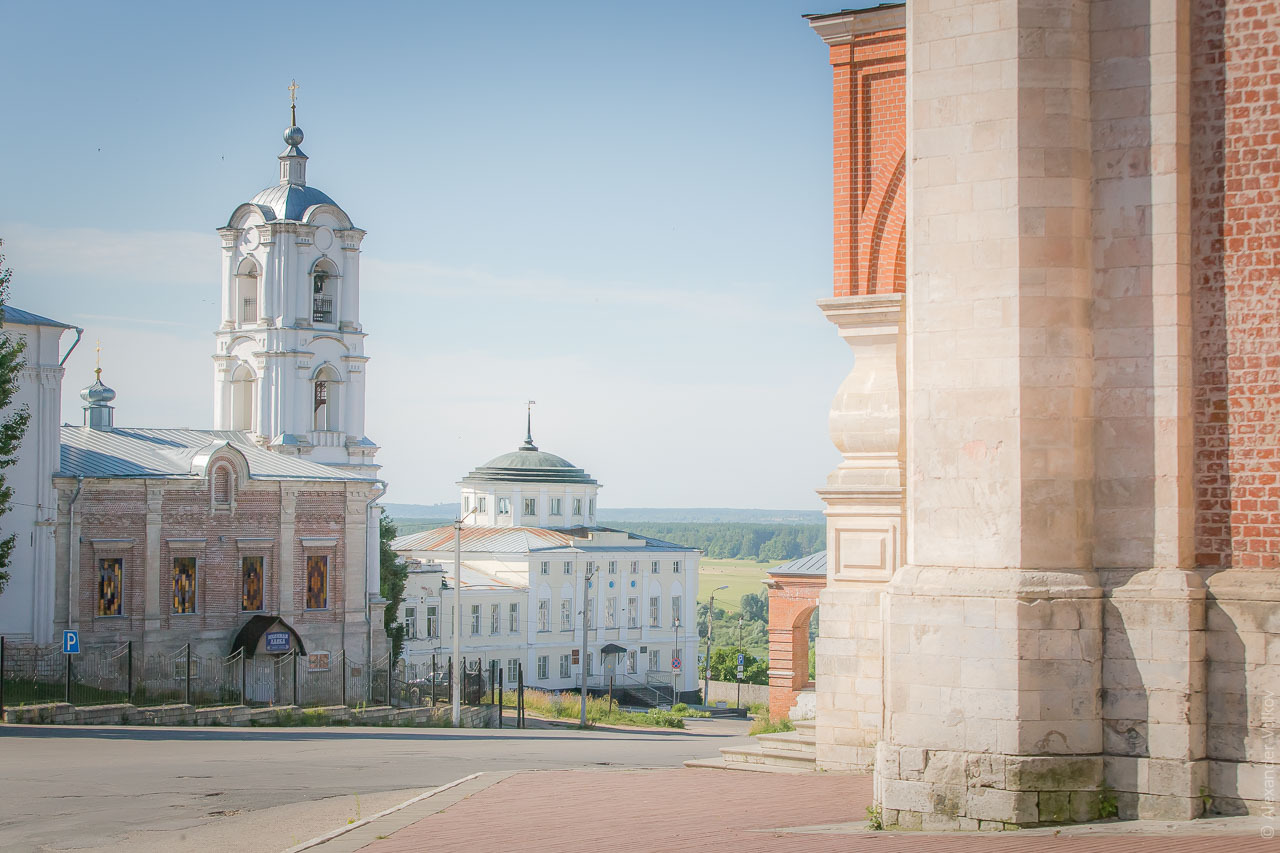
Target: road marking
343,830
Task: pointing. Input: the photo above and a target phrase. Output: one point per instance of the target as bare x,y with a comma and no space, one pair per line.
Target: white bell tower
289,363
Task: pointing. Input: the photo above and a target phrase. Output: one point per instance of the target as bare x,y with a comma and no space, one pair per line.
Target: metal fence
120,673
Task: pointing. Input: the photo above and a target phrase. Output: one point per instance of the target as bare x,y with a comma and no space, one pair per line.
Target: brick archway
793,597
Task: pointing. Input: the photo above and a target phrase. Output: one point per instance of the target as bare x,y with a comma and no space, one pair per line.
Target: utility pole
586,586
706,673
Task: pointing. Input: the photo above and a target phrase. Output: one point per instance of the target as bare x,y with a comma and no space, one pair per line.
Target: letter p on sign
71,642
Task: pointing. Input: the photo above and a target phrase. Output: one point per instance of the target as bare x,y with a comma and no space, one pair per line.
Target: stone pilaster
865,530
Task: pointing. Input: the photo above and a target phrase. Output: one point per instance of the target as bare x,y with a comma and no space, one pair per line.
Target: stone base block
948,789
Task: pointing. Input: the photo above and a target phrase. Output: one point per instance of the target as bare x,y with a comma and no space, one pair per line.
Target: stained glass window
184,584
251,583
110,586
317,582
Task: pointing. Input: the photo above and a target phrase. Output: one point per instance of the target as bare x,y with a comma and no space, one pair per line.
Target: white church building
532,556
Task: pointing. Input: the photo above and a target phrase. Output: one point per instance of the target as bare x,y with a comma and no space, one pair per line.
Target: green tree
755,608
392,575
724,666
14,424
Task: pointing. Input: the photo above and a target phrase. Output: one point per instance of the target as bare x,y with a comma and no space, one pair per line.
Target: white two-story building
532,556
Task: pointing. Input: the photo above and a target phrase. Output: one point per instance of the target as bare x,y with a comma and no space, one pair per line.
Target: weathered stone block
1052,773
907,796
1054,806
1085,806
1004,806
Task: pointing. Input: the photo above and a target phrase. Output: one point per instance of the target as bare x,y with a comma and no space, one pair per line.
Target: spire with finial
293,163
98,414
528,436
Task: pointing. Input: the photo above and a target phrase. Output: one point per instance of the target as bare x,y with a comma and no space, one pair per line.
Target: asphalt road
106,788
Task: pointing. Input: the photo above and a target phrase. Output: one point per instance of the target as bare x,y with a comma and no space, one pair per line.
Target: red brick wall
870,142
1236,280
791,603
116,509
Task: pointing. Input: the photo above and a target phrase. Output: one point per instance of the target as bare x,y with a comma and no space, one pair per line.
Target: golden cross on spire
98,350
293,102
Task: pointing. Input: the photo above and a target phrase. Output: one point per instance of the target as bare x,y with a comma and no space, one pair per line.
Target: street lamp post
706,673
456,685
586,591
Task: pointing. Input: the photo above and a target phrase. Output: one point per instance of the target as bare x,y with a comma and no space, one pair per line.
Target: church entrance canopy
268,635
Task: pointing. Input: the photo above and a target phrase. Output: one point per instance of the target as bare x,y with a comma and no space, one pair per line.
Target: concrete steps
781,752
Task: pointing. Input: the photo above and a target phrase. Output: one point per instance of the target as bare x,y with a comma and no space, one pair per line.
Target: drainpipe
376,530
74,344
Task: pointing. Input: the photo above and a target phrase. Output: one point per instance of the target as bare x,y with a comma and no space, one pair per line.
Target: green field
741,576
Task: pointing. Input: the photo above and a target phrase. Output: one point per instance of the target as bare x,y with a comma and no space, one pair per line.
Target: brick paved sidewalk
585,811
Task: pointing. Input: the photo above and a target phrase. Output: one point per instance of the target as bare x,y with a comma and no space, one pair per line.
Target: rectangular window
633,612
466,504
589,672
613,567
249,309
513,666
675,610
675,567
635,567
495,618
555,506
513,617
591,612
631,661
577,506
564,666
480,503
546,568
655,567
475,619
544,667
317,582
591,568
251,583
544,614
530,506
433,621
568,568
566,615
504,506
611,613
411,623
110,586
591,507
655,607
184,584
653,659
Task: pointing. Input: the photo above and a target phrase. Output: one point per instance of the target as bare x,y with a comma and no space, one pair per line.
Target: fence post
342,668
242,676
187,693
128,679
500,698
433,681
67,693
1,679
295,678
520,695
389,669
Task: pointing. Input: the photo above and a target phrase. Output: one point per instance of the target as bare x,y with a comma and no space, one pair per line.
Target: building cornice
843,27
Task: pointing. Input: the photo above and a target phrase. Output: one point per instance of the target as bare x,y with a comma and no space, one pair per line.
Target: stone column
993,641
865,528
153,607
286,567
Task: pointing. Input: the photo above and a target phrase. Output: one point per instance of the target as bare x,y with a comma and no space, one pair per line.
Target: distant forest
765,543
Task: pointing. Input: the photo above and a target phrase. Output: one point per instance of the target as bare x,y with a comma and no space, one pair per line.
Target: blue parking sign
741,658
71,642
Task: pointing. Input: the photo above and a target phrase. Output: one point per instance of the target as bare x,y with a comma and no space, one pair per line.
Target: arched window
326,407
324,291
245,299
222,485
243,392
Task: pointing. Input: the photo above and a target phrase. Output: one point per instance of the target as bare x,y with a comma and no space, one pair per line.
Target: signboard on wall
279,641
318,662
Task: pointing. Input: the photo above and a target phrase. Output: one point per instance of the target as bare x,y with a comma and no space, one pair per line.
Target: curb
343,830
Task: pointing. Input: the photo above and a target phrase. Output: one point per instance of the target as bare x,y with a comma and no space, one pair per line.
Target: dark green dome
528,464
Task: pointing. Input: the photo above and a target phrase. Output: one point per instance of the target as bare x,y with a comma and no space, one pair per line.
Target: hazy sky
620,210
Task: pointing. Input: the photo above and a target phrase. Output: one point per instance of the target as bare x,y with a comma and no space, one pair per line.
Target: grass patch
568,706
765,726
741,576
